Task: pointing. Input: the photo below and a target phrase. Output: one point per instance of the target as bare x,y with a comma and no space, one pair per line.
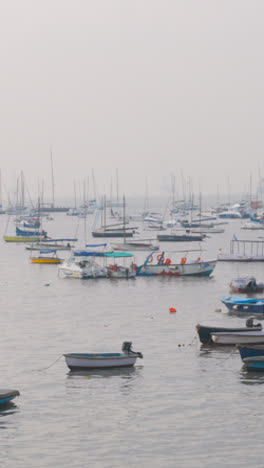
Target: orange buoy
172,310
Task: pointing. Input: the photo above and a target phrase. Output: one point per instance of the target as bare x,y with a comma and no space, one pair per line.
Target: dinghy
82,361
204,332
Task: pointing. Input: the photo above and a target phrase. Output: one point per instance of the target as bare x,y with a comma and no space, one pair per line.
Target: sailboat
114,230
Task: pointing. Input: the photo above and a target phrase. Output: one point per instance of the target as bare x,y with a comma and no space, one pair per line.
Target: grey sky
148,87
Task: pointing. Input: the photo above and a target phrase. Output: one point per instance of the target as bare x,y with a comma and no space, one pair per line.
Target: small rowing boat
82,361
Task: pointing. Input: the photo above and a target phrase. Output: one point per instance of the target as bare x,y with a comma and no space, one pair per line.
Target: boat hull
51,261
22,239
82,361
236,338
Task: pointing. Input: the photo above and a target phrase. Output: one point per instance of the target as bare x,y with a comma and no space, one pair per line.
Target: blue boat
237,304
7,395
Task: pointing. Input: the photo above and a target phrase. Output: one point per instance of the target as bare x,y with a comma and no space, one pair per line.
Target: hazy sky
149,87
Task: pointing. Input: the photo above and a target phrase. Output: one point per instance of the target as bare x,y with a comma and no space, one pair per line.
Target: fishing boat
204,332
247,305
234,338
46,257
243,251
82,361
159,265
7,395
247,285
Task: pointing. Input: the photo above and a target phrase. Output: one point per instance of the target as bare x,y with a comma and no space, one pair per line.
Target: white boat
82,264
234,338
252,226
82,361
137,244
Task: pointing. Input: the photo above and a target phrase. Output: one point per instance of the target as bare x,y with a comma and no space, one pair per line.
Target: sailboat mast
52,179
117,188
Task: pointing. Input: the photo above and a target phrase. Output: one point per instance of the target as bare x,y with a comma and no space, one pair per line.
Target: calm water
181,406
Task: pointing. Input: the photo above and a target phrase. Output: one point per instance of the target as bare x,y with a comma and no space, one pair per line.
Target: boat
160,266
243,251
20,231
235,338
229,215
237,304
204,332
82,265
47,257
180,237
116,270
246,285
137,244
7,395
252,226
82,361
58,244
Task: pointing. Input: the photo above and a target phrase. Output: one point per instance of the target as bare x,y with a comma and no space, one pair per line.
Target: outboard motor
250,323
127,349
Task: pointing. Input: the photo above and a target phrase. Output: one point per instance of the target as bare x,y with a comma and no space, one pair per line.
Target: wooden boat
7,395
81,361
237,304
46,257
235,338
247,285
165,267
204,332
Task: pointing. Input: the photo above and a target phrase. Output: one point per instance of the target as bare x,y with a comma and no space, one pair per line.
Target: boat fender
183,260
168,261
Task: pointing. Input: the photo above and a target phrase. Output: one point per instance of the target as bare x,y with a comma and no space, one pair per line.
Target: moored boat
247,305
161,266
204,332
82,361
46,257
247,285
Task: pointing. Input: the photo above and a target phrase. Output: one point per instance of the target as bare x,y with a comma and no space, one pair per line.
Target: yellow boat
46,257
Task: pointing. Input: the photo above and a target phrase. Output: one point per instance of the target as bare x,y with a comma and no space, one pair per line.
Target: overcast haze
149,87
